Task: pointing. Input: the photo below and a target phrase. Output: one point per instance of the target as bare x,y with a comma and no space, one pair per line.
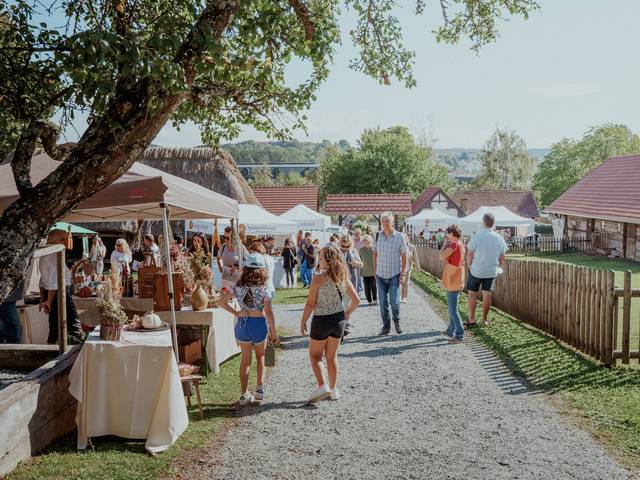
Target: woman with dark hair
199,242
452,254
255,322
288,261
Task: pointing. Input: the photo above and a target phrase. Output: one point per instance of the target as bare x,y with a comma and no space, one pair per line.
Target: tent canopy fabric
504,218
75,229
306,218
435,217
136,195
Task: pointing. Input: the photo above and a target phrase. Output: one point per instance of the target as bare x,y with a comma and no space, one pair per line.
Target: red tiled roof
424,200
278,200
368,204
611,191
521,202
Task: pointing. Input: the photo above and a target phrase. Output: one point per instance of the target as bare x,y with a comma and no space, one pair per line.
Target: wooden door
631,233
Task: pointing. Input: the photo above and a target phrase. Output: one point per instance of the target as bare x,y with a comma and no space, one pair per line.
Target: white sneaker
259,394
335,394
320,393
246,400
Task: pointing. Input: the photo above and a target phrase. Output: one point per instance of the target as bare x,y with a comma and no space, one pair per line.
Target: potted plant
113,316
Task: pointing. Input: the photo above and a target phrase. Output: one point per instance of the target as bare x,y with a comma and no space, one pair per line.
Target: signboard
204,226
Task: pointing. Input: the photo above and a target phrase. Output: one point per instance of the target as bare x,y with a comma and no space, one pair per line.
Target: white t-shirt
118,259
48,266
487,246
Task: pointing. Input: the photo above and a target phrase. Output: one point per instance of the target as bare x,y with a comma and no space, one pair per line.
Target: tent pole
167,252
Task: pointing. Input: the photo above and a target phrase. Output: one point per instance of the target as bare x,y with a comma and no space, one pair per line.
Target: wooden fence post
626,317
62,303
610,318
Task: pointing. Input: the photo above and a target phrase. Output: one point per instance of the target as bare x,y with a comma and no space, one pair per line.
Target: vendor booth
142,364
307,219
430,219
505,218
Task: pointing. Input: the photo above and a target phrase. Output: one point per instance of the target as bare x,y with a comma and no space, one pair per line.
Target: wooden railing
533,245
576,305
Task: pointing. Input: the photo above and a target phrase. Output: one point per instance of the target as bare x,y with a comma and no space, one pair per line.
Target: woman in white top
48,266
97,254
121,256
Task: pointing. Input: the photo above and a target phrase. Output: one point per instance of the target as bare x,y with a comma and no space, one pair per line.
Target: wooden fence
576,305
626,299
538,245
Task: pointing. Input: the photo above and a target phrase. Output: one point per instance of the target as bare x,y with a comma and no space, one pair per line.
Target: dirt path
413,406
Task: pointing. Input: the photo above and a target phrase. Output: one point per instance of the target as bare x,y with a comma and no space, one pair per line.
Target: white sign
204,226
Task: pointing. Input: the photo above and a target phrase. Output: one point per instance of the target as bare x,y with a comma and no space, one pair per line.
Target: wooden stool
195,381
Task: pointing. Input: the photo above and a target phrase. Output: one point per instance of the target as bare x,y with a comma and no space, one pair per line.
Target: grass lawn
117,459
605,402
619,266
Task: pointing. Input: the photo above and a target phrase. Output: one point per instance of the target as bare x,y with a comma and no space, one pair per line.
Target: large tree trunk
102,154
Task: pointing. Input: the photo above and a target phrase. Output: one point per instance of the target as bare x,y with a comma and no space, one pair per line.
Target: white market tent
306,218
142,193
260,222
504,218
431,218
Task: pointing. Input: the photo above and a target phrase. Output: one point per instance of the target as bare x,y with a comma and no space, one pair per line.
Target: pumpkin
151,320
85,292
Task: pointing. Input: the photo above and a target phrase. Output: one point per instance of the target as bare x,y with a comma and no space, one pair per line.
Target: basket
109,332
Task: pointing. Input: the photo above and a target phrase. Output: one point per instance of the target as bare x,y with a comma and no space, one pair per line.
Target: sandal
470,324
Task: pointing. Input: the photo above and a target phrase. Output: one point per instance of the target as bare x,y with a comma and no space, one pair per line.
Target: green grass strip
605,400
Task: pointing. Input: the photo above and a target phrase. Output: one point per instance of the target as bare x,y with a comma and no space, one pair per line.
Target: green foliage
262,177
279,152
569,159
506,163
384,161
227,60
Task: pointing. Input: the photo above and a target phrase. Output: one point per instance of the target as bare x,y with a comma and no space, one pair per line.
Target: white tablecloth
221,343
279,276
89,314
130,389
35,324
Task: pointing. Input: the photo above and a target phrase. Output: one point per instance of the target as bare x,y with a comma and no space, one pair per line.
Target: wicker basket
110,333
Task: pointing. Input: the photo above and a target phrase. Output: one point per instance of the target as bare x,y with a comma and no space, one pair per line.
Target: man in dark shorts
485,253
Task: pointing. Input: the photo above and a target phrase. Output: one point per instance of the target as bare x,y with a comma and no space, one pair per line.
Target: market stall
307,219
430,219
505,218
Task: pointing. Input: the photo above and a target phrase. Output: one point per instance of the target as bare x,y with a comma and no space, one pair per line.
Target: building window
602,224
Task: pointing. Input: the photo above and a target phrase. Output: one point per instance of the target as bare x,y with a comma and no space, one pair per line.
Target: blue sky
572,65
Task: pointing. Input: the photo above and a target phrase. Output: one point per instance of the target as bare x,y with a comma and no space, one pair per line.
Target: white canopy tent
142,193
431,218
259,222
306,218
504,218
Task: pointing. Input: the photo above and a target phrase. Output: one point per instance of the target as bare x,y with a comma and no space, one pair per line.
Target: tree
291,179
131,66
569,160
506,163
384,161
262,177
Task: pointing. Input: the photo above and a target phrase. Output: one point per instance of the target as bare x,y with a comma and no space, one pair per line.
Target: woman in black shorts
325,301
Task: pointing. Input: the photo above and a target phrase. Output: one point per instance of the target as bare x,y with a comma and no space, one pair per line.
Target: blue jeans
389,296
306,274
455,328
10,326
359,283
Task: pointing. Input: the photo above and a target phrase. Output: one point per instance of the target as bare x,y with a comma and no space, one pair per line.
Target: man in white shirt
49,288
485,253
150,247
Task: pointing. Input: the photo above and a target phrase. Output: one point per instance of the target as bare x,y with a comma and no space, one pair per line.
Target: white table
219,338
130,389
279,275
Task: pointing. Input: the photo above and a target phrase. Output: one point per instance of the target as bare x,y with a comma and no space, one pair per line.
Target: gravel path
412,406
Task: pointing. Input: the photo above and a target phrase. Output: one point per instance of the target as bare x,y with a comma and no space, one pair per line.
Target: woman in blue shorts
254,323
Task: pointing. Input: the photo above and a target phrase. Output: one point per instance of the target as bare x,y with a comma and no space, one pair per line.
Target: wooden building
604,207
435,197
278,200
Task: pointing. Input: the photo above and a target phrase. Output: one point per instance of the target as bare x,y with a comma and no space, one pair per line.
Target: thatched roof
213,169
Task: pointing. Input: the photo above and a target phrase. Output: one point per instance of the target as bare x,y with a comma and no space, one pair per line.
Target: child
255,322
328,288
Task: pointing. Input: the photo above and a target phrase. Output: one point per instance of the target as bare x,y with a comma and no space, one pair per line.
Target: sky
572,65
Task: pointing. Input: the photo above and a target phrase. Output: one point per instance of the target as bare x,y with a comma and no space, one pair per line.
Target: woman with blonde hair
325,301
121,256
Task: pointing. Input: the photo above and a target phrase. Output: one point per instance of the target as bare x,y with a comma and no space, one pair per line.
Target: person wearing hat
255,321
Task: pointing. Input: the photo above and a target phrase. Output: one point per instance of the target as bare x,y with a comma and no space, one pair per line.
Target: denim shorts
252,330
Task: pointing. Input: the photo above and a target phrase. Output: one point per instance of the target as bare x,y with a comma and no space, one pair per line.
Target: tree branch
302,12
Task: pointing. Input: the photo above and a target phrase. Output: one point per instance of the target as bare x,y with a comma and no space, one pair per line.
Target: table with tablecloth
89,314
130,388
220,340
279,275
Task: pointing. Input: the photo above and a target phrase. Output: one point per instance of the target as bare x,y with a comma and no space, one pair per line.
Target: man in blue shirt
485,253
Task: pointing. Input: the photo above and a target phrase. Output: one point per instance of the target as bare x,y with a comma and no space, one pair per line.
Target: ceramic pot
110,333
199,299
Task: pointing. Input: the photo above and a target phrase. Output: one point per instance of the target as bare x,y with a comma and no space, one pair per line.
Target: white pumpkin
151,320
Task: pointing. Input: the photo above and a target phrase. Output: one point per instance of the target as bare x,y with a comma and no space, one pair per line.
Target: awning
431,218
136,195
75,229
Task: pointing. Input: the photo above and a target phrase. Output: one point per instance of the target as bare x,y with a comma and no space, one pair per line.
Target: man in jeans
10,326
485,253
390,260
